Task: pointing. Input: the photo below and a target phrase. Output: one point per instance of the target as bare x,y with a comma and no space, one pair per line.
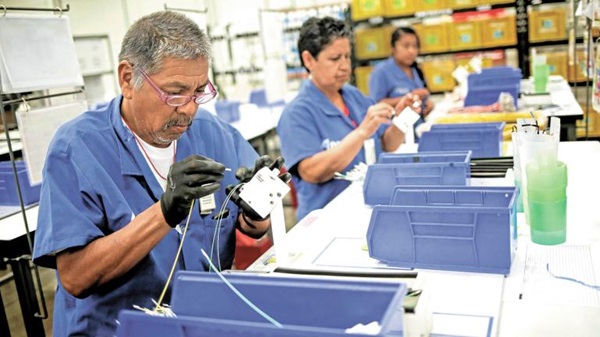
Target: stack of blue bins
458,228
430,168
485,88
205,307
229,111
8,188
426,216
484,140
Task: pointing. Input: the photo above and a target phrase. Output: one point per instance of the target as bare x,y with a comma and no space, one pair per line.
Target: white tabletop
255,122
561,95
13,226
538,313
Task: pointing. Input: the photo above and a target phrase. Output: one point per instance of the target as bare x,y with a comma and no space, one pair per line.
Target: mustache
179,121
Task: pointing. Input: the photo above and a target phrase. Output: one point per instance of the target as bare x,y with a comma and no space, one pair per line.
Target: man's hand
244,175
192,178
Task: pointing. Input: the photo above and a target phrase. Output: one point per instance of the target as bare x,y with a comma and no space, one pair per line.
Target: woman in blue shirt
331,126
399,75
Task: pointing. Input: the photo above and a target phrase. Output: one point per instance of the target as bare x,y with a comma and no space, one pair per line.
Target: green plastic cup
548,221
546,176
541,72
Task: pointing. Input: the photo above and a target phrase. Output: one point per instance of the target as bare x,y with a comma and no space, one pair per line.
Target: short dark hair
401,31
162,34
318,33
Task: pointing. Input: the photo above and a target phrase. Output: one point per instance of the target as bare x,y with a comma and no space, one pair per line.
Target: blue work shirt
95,181
388,80
311,124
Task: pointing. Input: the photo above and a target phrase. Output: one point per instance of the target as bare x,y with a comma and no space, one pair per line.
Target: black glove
244,175
192,178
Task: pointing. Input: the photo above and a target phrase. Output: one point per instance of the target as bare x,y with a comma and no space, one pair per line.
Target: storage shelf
378,20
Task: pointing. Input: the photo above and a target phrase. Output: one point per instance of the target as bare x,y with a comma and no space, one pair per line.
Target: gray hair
162,34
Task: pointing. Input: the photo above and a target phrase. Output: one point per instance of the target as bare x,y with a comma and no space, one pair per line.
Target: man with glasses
118,180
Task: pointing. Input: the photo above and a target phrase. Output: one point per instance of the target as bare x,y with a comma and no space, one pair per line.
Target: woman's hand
377,114
422,93
408,100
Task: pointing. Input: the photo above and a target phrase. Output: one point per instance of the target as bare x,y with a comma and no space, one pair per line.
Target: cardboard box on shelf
373,42
362,75
365,9
547,25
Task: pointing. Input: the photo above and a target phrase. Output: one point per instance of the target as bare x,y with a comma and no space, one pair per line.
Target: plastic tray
138,324
483,139
450,228
304,306
8,187
485,87
431,168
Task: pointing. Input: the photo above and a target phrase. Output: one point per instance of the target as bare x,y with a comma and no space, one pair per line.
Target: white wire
240,295
162,295
217,232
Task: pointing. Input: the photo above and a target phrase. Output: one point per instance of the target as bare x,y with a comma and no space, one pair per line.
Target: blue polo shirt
388,80
95,181
311,124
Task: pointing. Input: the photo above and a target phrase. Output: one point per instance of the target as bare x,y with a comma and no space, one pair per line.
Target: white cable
217,232
158,306
240,295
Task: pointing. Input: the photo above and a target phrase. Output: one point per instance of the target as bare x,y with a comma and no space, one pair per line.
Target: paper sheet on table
461,325
564,260
349,253
37,52
37,127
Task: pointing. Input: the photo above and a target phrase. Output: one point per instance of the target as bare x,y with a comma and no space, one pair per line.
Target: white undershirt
162,158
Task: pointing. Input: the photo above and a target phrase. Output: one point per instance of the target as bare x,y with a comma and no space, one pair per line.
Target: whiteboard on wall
37,52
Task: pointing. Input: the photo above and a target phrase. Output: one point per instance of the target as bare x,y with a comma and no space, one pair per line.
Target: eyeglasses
178,100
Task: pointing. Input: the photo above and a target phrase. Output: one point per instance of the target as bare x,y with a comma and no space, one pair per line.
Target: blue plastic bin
8,187
229,111
304,306
138,324
482,139
259,98
485,88
432,168
449,228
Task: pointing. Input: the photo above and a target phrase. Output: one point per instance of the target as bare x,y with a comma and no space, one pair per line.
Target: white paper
279,232
461,325
37,52
37,127
570,261
349,253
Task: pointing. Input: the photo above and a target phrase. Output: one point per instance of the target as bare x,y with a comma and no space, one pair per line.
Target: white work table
527,302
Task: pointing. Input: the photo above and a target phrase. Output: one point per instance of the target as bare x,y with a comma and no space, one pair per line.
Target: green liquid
548,221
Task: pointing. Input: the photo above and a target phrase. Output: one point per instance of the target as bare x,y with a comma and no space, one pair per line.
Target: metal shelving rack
19,252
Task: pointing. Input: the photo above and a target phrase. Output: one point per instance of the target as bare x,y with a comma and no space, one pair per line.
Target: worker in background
399,75
119,182
330,126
